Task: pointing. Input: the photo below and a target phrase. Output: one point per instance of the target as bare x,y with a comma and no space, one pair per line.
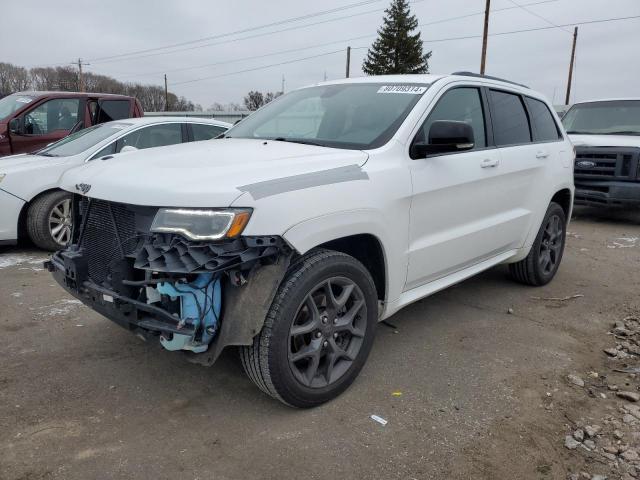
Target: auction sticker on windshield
410,89
24,100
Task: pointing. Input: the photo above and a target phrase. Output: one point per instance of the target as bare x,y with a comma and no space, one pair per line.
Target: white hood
605,140
201,174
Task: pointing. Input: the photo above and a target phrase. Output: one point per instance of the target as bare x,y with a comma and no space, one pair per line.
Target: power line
588,22
346,40
296,27
244,30
531,12
263,67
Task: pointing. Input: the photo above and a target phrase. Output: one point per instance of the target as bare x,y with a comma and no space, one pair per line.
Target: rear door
523,162
46,123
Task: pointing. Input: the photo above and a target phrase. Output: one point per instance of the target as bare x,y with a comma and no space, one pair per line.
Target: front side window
152,136
109,110
544,124
56,114
202,131
509,118
351,116
617,117
460,105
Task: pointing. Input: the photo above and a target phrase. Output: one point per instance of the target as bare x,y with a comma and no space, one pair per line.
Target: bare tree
254,99
14,79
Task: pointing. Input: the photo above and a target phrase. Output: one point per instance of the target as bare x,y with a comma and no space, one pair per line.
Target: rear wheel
49,220
543,261
318,332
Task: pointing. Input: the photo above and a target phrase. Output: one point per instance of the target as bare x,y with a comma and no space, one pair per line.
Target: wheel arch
564,198
357,233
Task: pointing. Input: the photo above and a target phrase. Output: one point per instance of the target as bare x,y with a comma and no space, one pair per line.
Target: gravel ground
473,384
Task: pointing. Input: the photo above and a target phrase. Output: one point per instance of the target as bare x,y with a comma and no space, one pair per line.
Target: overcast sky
44,33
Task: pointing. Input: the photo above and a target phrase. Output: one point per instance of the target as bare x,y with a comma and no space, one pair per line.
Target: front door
458,208
46,123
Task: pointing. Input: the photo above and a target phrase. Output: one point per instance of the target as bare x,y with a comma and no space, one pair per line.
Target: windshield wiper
578,132
46,154
298,140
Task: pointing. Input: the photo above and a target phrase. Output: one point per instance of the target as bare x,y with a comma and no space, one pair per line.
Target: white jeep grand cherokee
322,213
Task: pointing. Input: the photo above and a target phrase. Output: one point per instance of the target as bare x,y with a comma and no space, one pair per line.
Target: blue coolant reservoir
200,305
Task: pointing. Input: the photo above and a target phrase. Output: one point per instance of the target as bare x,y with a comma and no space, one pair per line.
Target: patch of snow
17,259
16,294
60,307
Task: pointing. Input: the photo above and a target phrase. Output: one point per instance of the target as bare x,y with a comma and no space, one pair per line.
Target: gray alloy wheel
60,222
550,250
327,332
541,264
318,332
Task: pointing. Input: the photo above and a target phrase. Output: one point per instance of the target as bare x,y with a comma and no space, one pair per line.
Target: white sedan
32,204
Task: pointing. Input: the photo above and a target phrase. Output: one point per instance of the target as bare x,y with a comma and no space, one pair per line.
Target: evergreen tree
396,50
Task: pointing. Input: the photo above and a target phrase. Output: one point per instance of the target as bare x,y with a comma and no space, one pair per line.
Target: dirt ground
481,368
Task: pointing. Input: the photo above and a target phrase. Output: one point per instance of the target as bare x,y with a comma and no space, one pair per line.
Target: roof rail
471,74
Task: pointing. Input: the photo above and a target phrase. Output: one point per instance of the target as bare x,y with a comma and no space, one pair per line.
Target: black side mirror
14,126
445,136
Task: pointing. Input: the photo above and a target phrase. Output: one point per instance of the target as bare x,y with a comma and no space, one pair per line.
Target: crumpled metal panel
167,252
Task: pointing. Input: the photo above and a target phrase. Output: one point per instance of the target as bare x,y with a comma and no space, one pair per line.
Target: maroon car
31,120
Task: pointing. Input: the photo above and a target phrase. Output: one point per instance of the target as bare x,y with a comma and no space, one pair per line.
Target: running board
430,288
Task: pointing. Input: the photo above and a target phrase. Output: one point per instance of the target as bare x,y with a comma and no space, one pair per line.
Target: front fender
319,230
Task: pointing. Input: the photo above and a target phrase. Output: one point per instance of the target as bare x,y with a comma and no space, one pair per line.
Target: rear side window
461,105
510,122
113,110
153,136
205,132
544,126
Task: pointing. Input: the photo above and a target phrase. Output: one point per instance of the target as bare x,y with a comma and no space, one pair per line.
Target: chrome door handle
542,154
489,162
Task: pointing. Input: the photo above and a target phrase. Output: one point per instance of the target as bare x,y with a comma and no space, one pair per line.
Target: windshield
352,116
617,117
83,140
11,103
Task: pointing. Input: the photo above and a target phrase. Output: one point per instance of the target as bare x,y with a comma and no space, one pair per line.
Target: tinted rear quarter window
113,110
510,122
205,132
544,126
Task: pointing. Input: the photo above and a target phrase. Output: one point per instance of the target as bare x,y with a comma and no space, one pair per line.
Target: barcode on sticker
410,89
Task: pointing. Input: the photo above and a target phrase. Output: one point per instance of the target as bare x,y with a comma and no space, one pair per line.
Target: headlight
197,224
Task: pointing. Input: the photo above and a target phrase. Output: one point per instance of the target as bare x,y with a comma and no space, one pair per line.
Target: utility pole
166,94
80,63
348,61
484,37
573,59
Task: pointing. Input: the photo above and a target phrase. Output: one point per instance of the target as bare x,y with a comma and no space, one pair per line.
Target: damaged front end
196,296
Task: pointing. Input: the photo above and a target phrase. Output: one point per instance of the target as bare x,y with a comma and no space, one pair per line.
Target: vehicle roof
161,119
425,79
621,99
39,94
413,78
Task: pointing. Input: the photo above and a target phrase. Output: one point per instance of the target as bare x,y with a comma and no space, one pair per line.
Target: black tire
40,225
534,269
270,363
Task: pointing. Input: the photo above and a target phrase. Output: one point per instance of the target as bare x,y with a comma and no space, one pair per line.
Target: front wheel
49,220
543,261
318,332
